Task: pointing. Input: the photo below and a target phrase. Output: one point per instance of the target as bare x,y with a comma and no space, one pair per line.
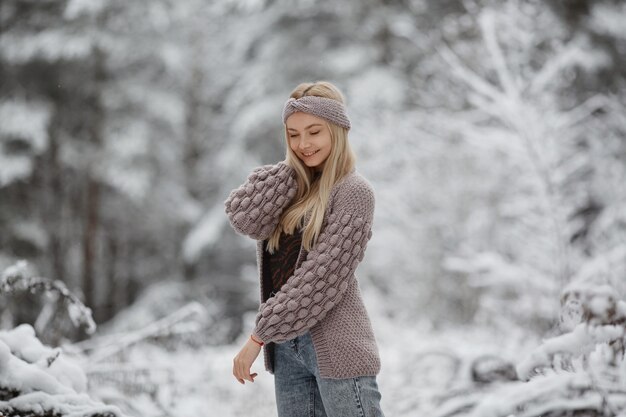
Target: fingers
244,360
237,372
241,371
237,376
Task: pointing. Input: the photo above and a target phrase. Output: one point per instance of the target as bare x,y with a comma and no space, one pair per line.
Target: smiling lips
310,154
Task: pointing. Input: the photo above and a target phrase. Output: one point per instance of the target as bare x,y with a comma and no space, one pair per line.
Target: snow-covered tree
509,169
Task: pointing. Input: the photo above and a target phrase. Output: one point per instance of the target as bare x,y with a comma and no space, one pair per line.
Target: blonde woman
311,215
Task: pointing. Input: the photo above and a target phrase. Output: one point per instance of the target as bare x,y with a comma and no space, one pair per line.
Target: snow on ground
425,371
419,366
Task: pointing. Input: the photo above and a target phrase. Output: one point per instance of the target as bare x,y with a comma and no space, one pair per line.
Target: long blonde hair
313,193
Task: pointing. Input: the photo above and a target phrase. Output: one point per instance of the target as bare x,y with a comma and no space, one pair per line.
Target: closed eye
295,136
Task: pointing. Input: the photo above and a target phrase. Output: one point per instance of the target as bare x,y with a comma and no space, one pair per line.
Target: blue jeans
301,392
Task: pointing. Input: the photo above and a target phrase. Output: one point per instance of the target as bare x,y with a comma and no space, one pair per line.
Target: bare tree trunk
112,278
92,187
90,233
192,148
192,144
130,270
55,207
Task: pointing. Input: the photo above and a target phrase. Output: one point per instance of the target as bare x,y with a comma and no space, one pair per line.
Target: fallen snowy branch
174,323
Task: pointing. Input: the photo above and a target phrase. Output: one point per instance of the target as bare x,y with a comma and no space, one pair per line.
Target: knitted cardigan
322,296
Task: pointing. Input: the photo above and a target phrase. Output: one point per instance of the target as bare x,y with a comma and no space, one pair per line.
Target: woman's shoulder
353,191
354,181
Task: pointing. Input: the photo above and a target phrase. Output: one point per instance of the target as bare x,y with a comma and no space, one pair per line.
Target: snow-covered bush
117,366
40,380
58,302
594,318
580,372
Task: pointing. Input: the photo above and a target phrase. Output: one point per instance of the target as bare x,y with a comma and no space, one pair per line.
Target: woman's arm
254,208
322,279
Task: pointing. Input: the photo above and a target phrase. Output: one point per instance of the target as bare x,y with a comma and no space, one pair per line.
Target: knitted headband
327,108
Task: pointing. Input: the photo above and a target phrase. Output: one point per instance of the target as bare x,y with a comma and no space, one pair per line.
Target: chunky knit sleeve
254,208
322,279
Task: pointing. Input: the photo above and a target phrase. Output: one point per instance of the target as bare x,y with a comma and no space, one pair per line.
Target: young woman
311,215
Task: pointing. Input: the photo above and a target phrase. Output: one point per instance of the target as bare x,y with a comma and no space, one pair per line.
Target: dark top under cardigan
278,267
282,263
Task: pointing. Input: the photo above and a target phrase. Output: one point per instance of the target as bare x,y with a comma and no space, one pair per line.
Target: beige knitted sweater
323,294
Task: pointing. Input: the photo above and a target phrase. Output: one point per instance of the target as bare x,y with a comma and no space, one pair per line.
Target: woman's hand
244,360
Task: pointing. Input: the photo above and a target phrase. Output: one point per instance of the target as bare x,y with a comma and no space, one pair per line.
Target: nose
304,144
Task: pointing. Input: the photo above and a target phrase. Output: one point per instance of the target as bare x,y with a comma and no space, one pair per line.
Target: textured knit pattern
327,108
254,208
323,295
282,262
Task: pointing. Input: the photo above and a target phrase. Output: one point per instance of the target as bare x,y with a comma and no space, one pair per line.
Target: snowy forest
492,131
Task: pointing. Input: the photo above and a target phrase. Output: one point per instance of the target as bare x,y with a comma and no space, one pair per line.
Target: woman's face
309,139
